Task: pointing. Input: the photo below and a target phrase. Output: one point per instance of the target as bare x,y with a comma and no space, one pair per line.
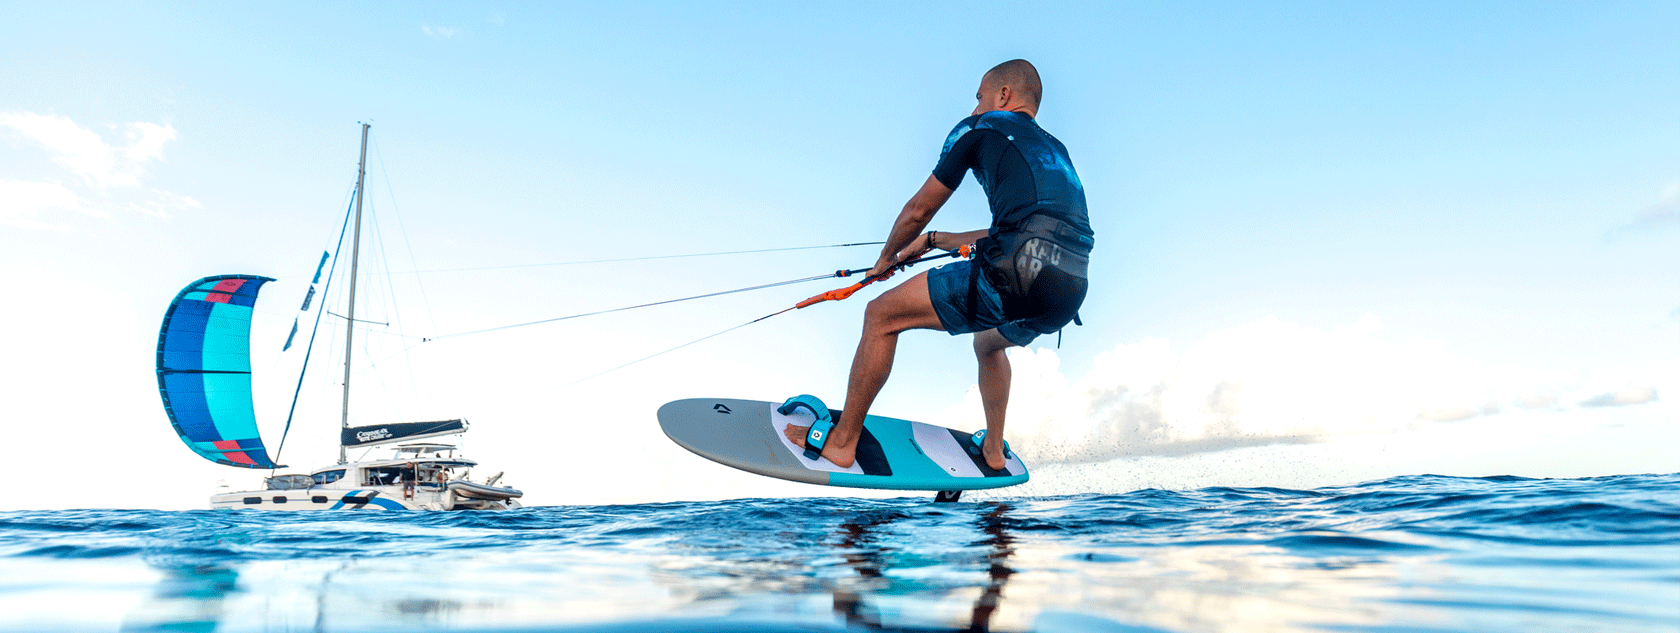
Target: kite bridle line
964,251
832,295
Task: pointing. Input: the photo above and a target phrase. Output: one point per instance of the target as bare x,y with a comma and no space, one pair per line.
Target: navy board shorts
948,287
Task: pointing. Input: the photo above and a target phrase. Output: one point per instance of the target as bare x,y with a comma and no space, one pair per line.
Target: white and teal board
894,454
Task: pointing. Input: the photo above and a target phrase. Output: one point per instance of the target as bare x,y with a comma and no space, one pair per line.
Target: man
1028,277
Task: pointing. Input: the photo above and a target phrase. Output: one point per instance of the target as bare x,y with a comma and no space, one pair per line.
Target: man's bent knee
903,308
990,342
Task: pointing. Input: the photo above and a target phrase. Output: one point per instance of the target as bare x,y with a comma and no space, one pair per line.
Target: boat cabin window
328,476
388,476
289,482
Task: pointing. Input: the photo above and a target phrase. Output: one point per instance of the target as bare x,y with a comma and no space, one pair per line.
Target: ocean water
1409,554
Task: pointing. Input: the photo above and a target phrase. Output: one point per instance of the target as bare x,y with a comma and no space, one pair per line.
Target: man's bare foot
842,454
994,455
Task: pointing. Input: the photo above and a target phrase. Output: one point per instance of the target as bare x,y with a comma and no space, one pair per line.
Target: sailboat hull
368,498
421,477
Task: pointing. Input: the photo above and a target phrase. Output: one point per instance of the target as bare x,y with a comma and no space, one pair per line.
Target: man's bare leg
905,307
995,375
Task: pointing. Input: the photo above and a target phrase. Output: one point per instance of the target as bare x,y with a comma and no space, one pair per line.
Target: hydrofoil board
893,454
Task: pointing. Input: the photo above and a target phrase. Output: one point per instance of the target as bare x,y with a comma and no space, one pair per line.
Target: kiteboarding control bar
841,293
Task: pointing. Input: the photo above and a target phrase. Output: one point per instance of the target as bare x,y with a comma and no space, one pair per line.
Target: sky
1336,242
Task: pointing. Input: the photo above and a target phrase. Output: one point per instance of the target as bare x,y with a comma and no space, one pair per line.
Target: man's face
989,96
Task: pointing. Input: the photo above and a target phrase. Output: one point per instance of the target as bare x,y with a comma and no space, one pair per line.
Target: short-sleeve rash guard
1023,169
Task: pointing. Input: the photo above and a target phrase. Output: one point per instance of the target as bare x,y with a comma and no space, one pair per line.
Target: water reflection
867,547
1001,546
859,544
187,598
304,596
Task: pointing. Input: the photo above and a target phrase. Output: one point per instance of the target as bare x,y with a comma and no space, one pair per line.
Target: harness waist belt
1043,240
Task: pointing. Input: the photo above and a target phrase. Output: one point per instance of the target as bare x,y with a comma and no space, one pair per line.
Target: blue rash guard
1023,169
1040,240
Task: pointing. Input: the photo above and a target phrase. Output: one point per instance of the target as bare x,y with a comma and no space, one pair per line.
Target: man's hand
887,265
883,268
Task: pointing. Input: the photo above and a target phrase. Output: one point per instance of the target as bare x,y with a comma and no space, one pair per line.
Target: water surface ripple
1413,554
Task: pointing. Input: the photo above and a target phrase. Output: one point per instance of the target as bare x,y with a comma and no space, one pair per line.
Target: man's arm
908,227
950,241
945,241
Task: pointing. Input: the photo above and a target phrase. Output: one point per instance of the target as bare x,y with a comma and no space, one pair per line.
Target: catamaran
204,377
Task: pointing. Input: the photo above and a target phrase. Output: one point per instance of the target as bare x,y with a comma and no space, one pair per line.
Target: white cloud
1458,413
1637,394
1540,399
1663,214
439,32
86,154
146,141
163,202
22,202
1269,382
96,166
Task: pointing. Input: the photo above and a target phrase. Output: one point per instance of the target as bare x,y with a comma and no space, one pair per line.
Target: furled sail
204,370
398,431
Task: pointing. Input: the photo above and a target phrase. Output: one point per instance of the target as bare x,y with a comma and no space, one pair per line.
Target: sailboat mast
350,315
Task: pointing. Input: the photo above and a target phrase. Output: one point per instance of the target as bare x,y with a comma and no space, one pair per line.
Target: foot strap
980,443
817,437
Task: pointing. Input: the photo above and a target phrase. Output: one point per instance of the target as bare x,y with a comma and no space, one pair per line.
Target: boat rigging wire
316,329
419,282
403,228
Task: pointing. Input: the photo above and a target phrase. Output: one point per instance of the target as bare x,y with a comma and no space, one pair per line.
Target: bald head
1021,78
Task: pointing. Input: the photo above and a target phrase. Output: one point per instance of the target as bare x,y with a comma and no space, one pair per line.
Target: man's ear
1006,97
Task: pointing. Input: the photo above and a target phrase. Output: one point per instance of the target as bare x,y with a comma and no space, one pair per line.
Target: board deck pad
893,454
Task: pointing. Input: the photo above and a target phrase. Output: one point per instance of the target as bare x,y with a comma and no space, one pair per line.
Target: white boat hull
369,498
418,479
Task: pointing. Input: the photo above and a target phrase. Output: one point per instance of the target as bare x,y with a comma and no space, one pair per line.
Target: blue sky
1336,241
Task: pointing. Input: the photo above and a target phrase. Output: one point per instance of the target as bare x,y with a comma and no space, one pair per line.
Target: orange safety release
840,293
